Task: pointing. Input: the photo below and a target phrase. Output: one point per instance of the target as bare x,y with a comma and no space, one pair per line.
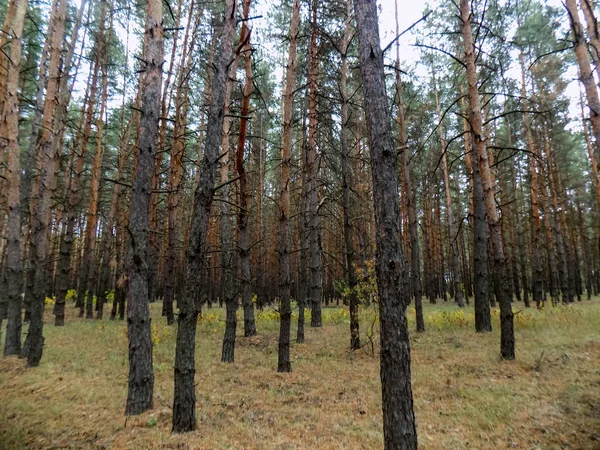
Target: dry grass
465,397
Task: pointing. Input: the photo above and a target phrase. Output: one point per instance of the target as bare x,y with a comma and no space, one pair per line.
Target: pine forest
300,224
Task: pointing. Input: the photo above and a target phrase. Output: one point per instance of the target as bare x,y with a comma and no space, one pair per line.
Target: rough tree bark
392,276
184,400
48,150
141,374
316,281
66,239
503,291
11,126
243,229
347,184
283,236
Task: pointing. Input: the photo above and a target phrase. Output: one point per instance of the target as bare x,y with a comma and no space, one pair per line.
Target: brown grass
465,397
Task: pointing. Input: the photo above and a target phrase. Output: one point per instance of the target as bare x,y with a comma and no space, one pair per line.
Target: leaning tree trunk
503,291
283,236
141,374
50,159
399,428
10,125
184,399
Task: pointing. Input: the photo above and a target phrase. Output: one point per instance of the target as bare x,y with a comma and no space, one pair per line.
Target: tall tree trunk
451,219
72,196
283,236
228,294
141,374
399,428
50,158
503,291
316,281
411,203
244,231
536,257
347,184
483,320
303,227
174,183
10,125
88,272
184,400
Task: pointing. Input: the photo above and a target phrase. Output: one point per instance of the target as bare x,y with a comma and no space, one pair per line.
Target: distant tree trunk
50,158
244,231
411,203
303,227
283,237
72,196
227,292
154,249
184,400
141,374
452,225
399,428
88,274
174,183
347,184
316,281
503,291
10,125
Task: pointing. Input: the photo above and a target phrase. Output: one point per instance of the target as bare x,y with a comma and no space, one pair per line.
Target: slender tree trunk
347,184
316,281
10,125
392,276
411,203
451,219
174,186
50,158
184,400
72,198
141,374
283,237
303,227
88,272
244,231
503,291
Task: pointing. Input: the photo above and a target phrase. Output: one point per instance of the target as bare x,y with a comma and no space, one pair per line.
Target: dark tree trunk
503,291
48,151
184,399
392,275
141,374
316,279
283,236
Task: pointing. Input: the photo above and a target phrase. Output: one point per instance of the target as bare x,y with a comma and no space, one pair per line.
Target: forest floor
465,397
